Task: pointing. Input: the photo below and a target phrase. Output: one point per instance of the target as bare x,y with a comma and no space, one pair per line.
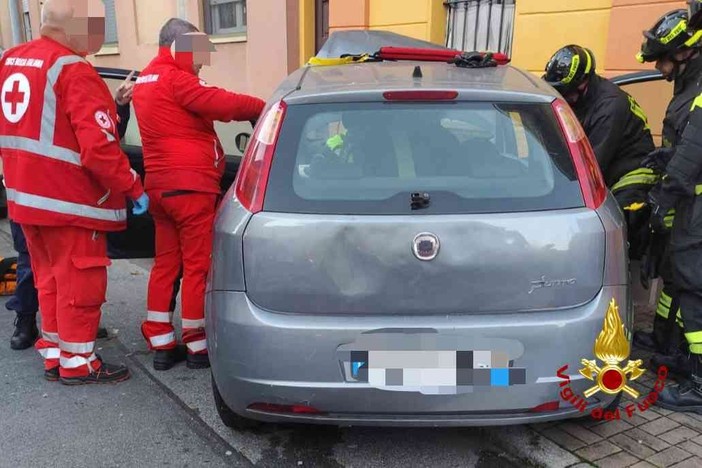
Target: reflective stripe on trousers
193,323
77,361
50,353
162,340
76,348
664,304
159,317
197,346
49,336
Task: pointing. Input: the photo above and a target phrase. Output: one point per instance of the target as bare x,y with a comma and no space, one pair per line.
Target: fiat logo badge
425,246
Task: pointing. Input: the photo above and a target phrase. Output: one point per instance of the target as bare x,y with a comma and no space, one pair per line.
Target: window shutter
110,22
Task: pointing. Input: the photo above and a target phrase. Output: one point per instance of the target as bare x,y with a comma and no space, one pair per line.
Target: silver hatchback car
412,243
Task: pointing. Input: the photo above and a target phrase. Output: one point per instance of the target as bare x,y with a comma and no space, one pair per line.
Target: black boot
677,364
26,332
198,361
678,360
688,395
164,359
52,375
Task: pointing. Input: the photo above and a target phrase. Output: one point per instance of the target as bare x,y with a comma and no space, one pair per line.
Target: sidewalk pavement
655,437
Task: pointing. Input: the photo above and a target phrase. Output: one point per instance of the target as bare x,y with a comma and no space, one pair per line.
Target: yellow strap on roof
325,62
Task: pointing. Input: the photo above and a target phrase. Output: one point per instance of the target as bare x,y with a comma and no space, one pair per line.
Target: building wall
610,28
421,19
543,26
628,19
5,28
254,63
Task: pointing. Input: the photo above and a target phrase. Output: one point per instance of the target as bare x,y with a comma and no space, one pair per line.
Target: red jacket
62,161
176,113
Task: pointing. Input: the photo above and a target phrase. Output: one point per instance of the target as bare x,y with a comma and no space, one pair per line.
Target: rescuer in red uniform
67,181
184,162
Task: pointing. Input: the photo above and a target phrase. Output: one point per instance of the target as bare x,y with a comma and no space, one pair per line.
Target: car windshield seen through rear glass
469,157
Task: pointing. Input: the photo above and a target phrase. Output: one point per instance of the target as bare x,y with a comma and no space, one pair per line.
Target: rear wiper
420,200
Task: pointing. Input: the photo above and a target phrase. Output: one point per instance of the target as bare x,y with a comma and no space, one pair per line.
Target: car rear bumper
263,357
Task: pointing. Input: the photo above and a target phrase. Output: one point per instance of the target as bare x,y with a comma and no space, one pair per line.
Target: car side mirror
242,141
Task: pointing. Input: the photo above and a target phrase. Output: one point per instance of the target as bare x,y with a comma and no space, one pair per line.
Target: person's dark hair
173,28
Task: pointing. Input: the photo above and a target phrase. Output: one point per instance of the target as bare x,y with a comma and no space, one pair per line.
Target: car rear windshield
463,157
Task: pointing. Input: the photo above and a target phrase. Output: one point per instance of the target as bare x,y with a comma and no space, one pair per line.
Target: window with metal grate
485,25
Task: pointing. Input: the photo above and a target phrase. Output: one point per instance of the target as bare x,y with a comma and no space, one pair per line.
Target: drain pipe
17,37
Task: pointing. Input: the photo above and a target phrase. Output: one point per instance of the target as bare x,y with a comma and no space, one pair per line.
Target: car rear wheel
229,417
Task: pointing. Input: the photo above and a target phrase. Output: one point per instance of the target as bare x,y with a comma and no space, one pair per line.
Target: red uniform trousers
184,222
70,273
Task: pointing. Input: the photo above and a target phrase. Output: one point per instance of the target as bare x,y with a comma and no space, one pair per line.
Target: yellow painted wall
421,19
543,26
306,30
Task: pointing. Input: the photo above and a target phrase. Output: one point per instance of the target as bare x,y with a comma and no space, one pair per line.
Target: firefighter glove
659,208
657,160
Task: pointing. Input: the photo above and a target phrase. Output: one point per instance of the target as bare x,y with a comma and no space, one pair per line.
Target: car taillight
420,95
588,170
252,177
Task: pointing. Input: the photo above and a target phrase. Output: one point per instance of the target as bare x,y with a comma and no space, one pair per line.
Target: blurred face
666,65
86,29
193,50
573,97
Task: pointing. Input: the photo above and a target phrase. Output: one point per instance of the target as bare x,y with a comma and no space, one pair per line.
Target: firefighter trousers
70,273
687,265
184,222
668,318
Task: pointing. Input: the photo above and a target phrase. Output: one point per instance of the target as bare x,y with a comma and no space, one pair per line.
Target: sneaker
26,332
106,374
164,359
52,375
198,361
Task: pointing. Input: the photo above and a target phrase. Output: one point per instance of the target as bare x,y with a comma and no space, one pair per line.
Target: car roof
368,80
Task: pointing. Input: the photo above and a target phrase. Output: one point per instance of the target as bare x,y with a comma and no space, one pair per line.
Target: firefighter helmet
668,36
695,9
569,67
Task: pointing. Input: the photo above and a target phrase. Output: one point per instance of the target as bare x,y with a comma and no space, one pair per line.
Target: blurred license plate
415,370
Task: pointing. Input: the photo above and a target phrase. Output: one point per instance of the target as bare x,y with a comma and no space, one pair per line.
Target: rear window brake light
420,95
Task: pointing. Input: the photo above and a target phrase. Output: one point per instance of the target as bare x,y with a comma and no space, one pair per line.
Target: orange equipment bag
8,276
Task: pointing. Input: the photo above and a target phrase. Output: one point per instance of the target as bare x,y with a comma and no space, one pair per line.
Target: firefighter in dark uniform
676,54
617,129
680,188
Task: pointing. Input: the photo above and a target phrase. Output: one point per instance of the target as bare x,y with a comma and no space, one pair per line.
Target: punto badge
425,246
